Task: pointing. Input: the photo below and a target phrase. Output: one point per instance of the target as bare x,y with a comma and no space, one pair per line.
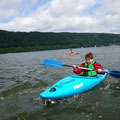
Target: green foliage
35,41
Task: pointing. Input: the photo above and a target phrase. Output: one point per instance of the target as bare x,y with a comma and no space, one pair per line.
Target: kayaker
71,51
91,64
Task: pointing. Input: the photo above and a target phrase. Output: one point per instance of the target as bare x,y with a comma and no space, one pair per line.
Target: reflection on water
23,77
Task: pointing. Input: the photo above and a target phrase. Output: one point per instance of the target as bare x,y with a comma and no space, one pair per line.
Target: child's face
89,60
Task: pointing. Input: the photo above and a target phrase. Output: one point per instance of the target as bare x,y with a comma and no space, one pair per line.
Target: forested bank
35,41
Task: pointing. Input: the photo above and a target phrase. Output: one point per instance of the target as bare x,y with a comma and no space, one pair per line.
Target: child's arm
78,70
99,68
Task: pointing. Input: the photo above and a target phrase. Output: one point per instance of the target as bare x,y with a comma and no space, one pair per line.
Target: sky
81,16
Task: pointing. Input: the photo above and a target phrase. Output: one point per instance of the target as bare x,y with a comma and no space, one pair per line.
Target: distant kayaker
71,51
91,64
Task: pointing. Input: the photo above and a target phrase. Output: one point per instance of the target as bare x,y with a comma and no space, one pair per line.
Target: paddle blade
115,74
53,63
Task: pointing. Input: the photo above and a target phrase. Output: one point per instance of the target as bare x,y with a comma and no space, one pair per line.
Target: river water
23,77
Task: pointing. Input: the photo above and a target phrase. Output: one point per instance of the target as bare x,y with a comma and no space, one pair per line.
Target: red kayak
69,53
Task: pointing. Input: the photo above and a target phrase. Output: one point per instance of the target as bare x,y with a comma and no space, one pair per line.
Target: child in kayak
91,64
71,51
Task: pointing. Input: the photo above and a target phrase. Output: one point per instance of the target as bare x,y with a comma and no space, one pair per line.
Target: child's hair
89,55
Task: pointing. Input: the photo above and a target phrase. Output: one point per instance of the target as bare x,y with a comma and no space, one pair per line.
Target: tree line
35,41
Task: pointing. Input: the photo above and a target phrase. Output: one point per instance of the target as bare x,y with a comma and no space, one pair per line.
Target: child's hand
100,70
74,66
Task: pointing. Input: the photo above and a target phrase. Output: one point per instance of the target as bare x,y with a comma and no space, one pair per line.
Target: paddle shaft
81,68
85,68
92,70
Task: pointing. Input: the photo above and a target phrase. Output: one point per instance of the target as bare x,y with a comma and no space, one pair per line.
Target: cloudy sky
94,16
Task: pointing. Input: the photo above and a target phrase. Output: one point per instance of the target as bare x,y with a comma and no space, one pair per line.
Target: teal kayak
72,85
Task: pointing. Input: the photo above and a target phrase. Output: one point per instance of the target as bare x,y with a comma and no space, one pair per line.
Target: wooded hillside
34,41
